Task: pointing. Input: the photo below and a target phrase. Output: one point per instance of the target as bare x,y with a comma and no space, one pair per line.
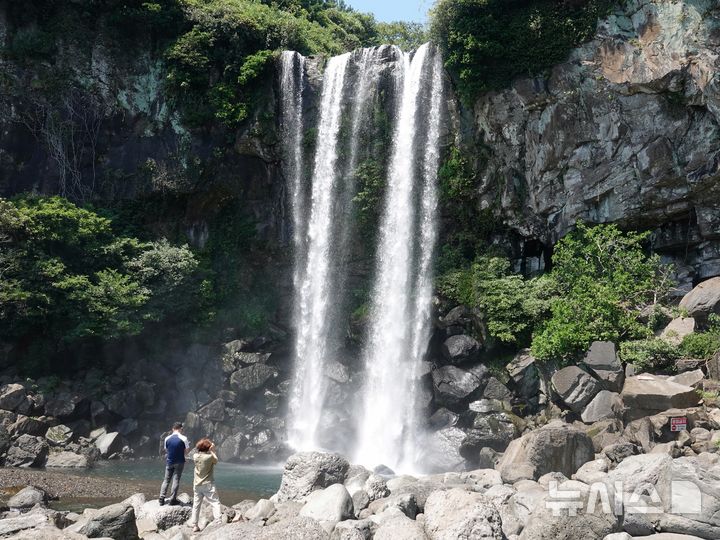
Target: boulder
59,435
305,472
28,497
524,375
703,300
32,523
556,447
251,378
400,527
109,443
453,387
496,390
27,451
116,521
575,387
460,348
329,506
376,487
603,362
604,405
63,405
29,425
677,329
456,513
644,395
443,418
592,471
164,517
688,378
402,502
296,528
127,426
11,396
441,451
67,460
262,510
492,430
566,517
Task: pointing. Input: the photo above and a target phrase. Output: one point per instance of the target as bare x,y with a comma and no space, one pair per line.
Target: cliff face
626,131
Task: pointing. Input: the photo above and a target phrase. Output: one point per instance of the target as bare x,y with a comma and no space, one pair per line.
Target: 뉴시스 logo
616,498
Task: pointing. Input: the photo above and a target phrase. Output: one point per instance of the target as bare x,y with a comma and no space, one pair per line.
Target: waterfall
400,311
292,77
323,230
315,289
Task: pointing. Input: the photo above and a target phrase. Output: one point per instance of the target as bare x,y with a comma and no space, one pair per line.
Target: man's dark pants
173,471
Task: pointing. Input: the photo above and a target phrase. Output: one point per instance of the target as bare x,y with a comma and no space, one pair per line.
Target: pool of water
234,482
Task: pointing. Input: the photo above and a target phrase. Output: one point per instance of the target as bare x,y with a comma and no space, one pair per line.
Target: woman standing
204,481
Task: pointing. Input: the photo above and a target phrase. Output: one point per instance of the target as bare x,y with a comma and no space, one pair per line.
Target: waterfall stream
387,422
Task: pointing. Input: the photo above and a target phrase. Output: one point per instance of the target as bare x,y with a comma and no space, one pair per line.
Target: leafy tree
604,279
67,276
703,345
406,35
510,305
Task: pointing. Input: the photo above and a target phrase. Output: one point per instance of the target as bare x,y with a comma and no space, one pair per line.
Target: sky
394,10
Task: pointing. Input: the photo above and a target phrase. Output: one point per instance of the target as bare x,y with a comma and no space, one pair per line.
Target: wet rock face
625,131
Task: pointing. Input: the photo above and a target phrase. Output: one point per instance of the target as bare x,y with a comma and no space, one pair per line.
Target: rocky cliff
626,131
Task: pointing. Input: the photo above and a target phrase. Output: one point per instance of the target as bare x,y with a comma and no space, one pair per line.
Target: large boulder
556,447
28,497
329,506
305,472
677,329
647,394
457,513
575,387
493,429
27,451
460,348
703,300
64,405
399,527
567,517
164,517
59,435
295,528
109,443
602,360
453,387
606,404
116,521
11,396
252,378
67,460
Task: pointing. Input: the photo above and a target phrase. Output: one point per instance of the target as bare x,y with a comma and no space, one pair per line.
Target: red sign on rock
678,424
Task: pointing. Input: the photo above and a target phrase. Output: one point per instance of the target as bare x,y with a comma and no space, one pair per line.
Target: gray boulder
262,511
454,387
28,497
164,517
703,300
329,506
575,387
30,525
602,360
116,521
305,472
109,443
493,430
554,519
646,394
524,375
27,451
376,487
460,348
605,404
457,513
400,527
11,396
296,528
556,447
63,405
59,435
67,460
691,378
251,378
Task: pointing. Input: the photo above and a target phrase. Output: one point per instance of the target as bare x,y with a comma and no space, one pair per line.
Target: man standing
176,448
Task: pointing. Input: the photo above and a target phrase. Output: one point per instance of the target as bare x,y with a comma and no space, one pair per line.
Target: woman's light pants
204,491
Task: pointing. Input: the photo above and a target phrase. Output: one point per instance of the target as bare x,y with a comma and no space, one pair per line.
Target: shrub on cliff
487,43
67,276
604,279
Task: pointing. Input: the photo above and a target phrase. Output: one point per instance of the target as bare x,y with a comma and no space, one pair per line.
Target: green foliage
604,280
214,67
703,345
67,276
487,43
510,304
408,36
370,180
652,354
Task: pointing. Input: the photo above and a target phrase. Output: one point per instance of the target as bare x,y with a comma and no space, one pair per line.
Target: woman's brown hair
203,445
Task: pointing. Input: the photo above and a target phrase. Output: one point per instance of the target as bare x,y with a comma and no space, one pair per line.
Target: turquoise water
234,482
